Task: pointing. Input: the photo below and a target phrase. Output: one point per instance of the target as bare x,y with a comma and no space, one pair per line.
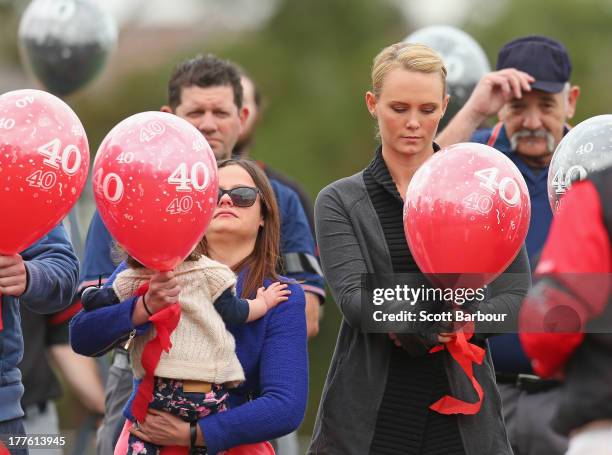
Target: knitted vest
202,348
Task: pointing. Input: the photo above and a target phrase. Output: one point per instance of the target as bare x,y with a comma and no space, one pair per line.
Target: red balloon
155,184
44,161
466,211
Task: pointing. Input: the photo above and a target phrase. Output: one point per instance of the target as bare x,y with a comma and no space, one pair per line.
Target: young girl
190,379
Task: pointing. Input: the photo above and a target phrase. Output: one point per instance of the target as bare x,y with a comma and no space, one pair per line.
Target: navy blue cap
543,58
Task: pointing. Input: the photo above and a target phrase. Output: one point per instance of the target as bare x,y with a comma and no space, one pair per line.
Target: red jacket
572,285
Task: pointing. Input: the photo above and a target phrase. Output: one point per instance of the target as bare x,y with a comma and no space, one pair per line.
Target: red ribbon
465,354
165,321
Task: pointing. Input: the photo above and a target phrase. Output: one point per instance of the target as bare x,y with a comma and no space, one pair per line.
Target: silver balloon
65,43
586,148
463,57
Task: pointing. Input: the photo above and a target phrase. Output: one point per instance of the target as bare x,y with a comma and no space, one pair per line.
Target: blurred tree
10,12
313,64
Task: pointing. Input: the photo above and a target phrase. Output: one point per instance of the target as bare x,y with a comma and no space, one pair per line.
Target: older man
533,97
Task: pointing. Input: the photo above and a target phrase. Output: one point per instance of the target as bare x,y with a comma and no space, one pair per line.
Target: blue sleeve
283,376
93,333
97,261
93,298
232,309
53,273
296,236
481,136
294,224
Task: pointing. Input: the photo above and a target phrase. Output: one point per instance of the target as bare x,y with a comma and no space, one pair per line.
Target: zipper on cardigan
110,346
126,346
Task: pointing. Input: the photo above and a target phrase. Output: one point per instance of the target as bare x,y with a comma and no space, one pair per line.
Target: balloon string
465,354
1,324
164,321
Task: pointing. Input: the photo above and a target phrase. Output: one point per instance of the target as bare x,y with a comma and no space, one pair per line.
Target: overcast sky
238,14
242,14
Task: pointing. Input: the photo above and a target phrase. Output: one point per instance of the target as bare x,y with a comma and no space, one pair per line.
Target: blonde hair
409,56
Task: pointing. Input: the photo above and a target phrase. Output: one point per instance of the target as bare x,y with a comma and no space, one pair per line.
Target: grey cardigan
351,243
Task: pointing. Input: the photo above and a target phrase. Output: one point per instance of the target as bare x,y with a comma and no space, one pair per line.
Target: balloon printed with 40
155,184
466,211
586,148
44,161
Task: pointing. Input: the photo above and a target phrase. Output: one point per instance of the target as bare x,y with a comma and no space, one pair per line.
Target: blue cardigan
273,354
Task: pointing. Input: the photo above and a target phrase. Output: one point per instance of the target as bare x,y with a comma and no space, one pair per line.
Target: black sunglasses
241,196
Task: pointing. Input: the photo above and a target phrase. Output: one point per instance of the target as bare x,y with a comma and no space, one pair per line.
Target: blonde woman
380,386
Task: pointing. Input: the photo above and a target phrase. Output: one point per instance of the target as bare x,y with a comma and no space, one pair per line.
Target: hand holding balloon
164,290
13,275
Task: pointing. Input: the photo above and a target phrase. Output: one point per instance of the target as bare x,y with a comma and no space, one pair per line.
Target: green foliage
9,22
313,64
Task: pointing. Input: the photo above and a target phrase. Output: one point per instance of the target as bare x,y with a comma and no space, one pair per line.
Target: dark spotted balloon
586,148
65,43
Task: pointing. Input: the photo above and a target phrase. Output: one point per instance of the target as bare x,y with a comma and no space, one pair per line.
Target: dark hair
262,261
204,71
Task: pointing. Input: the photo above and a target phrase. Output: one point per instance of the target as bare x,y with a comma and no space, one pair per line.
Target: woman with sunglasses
244,236
390,380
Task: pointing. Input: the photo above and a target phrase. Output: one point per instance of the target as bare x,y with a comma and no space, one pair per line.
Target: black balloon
65,43
463,57
586,148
